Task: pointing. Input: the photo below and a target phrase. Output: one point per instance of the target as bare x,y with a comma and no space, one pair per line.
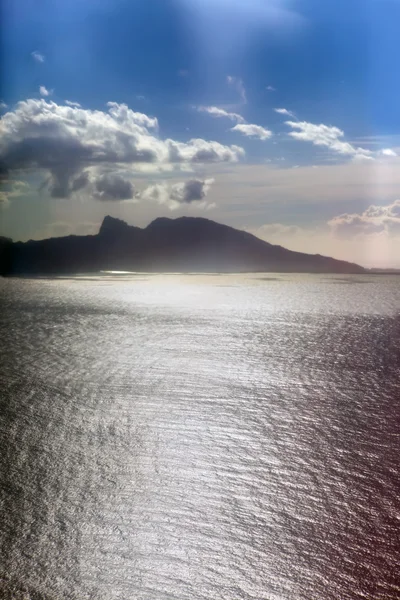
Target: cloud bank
375,219
65,141
370,238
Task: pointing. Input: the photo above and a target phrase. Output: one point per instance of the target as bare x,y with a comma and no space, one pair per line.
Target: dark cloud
185,192
113,187
192,190
80,182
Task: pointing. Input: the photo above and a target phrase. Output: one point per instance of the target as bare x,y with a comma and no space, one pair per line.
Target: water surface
195,437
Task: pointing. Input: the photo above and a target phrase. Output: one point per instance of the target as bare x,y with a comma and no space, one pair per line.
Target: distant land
186,244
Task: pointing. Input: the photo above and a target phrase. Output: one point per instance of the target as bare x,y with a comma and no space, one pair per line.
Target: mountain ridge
181,244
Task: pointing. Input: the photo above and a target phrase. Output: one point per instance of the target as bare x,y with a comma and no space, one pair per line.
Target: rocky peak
113,226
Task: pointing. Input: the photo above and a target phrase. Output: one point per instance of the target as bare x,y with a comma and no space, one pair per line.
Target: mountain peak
184,222
159,222
112,225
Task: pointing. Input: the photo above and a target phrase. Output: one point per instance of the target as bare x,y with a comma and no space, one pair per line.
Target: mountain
183,244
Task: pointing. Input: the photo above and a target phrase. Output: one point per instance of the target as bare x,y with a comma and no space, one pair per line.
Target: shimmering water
201,438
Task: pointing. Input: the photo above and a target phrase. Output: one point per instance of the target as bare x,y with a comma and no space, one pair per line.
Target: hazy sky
281,117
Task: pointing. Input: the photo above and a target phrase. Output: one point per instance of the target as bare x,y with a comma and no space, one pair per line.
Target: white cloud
76,104
253,131
3,106
270,88
37,56
44,91
361,157
66,141
121,113
214,111
284,111
174,196
388,152
330,137
198,150
374,219
237,83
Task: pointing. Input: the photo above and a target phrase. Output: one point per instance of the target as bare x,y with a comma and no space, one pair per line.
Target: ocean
200,437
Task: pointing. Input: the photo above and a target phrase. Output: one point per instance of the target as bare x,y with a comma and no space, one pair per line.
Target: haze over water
201,437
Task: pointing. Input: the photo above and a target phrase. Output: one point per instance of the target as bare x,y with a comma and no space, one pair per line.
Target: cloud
253,131
44,91
192,190
174,196
270,88
113,187
75,104
4,201
80,182
199,151
388,152
157,193
284,111
221,113
65,180
15,188
65,141
237,83
122,114
330,137
103,186
307,193
247,129
37,56
3,106
372,250
375,219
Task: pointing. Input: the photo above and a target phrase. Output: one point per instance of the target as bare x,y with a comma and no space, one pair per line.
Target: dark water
201,438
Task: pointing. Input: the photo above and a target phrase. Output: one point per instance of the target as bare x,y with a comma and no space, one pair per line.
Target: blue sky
332,64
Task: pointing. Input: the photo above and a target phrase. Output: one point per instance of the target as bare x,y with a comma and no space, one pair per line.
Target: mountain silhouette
186,244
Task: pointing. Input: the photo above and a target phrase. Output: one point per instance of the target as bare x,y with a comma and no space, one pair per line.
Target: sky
280,117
